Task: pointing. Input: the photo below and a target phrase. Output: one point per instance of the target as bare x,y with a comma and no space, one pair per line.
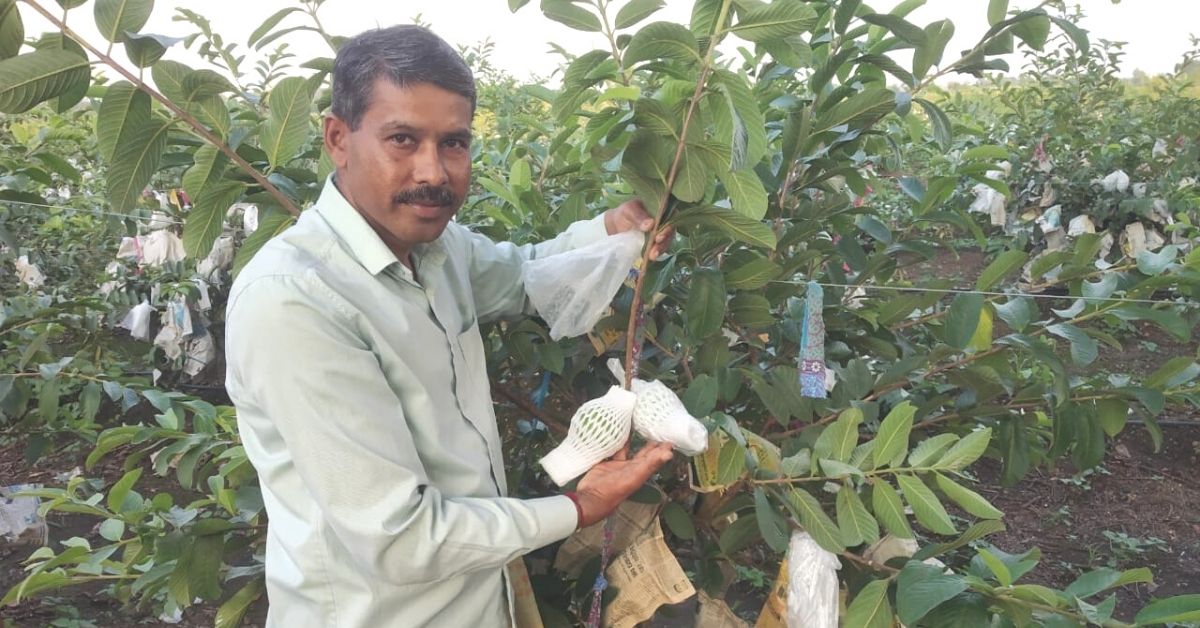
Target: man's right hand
609,483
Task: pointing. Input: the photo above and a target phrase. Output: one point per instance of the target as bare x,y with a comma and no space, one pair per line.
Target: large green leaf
270,224
636,11
839,438
967,499
1005,264
168,78
943,130
778,20
208,168
691,177
808,510
232,610
123,109
12,29
856,524
899,26
35,77
920,588
662,40
143,50
773,526
870,608
747,194
76,92
858,111
891,442
889,510
963,319
116,17
966,451
566,12
1178,609
287,128
740,119
925,505
269,24
207,217
705,303
929,54
135,160
1084,348
729,222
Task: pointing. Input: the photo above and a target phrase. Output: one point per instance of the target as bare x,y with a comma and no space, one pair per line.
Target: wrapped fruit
598,430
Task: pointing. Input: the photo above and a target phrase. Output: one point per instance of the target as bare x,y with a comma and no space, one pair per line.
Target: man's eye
401,138
458,144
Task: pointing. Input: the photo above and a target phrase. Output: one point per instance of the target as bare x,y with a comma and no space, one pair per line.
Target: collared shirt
363,402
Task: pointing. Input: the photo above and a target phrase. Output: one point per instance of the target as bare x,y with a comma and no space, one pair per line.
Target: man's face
408,165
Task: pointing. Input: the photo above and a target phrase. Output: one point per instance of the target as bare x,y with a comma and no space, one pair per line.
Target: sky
1157,31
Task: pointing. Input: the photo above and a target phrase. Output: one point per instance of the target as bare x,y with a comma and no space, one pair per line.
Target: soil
1142,508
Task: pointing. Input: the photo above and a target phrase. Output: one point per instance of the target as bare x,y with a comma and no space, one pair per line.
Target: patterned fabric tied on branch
812,344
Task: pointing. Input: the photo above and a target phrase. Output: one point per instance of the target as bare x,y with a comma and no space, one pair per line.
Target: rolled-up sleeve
495,267
301,373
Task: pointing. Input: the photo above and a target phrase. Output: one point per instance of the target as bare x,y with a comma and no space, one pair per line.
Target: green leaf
1033,30
269,24
889,510
845,12
870,608
838,439
812,517
207,217
144,50
691,178
35,77
925,505
745,125
118,492
891,443
930,449
636,11
1153,264
230,614
1178,609
678,521
1017,312
1004,265
662,40
752,274
168,77
920,588
772,525
705,303
565,12
1084,348
747,194
123,109
859,111
700,398
135,159
1103,579
270,224
751,310
856,524
48,402
929,54
997,567
734,225
997,11
287,128
967,499
963,319
208,168
899,26
12,29
943,130
966,451
116,17
777,20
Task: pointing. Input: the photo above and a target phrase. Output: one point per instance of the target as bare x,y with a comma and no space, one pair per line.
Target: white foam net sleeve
812,594
572,289
598,430
660,416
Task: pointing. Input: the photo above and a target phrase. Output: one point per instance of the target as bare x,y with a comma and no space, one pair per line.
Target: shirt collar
363,243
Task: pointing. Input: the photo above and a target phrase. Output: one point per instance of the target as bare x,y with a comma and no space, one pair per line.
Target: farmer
357,368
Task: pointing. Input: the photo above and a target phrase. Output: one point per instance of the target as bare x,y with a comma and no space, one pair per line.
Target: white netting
598,430
812,595
571,290
660,416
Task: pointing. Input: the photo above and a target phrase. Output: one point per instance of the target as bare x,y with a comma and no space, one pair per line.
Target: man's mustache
426,195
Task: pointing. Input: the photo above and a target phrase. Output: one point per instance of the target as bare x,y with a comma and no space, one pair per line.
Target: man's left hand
632,215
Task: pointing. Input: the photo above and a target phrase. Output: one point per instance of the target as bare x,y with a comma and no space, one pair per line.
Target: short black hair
404,54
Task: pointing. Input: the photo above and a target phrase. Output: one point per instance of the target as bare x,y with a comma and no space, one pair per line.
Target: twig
554,424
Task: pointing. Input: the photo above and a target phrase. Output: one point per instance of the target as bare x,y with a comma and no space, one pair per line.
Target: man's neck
402,251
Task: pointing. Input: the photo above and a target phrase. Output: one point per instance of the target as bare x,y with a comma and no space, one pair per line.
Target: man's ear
337,135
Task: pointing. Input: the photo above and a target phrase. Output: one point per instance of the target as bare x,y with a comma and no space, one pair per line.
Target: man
357,368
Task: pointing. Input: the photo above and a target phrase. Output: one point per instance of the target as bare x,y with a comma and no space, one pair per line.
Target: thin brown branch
554,424
191,121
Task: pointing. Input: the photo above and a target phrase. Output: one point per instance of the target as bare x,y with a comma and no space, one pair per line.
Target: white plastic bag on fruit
812,595
29,274
571,290
660,416
598,430
137,321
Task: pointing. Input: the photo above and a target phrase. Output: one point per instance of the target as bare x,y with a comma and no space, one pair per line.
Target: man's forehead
417,104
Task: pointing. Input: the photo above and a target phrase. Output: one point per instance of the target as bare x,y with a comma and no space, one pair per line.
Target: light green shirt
363,401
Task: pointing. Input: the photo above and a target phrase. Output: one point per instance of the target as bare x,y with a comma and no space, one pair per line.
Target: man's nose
428,168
